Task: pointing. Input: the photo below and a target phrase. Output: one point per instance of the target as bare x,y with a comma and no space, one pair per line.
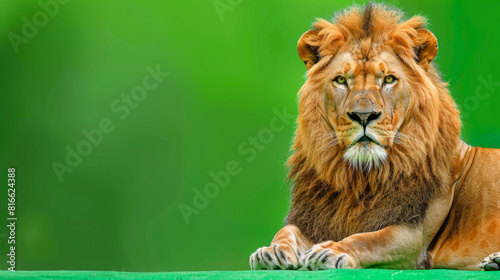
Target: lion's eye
389,79
340,80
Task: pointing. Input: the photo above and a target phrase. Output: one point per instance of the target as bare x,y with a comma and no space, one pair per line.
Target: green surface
368,274
119,207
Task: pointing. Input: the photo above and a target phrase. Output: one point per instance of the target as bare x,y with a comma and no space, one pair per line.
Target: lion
380,176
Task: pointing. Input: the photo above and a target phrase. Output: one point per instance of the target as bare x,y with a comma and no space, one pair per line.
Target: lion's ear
426,49
412,41
308,48
323,40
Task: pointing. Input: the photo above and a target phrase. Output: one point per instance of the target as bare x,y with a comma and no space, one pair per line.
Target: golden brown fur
380,176
416,168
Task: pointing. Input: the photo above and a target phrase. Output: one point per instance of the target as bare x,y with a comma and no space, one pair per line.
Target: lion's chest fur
323,214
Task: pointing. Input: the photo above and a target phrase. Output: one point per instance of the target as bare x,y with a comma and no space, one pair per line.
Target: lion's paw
322,256
275,257
492,262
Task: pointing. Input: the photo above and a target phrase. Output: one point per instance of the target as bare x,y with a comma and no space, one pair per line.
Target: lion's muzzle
364,106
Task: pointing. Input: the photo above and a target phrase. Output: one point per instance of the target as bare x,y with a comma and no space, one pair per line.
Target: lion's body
380,176
471,230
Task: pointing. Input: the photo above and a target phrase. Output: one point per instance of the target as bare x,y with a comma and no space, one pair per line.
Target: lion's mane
330,199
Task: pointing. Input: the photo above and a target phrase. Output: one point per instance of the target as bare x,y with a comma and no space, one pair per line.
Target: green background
119,208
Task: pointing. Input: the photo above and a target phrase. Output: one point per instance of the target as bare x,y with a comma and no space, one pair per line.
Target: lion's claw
276,257
321,257
492,262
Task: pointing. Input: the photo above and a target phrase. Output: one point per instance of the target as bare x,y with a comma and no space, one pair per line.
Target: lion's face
366,101
369,74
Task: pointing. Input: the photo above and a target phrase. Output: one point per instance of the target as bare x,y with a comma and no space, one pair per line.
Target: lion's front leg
396,247
284,252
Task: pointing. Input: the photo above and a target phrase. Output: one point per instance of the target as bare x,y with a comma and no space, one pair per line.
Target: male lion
381,178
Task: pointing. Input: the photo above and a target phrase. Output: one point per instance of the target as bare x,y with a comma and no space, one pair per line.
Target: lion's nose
364,118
